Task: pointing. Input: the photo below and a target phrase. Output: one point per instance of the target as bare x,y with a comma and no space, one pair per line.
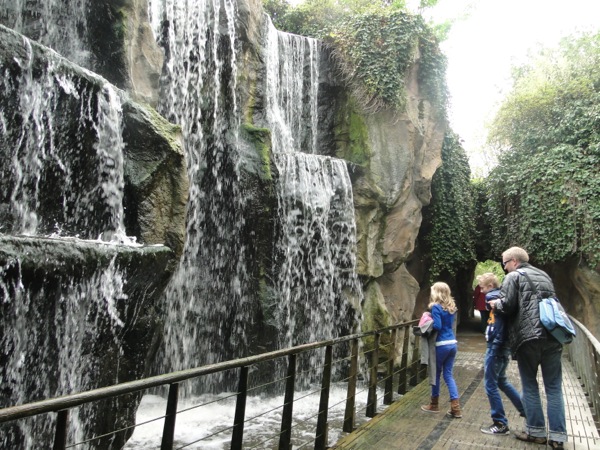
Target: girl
443,311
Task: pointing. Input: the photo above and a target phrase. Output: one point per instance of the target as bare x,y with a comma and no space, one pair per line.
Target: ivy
543,195
450,238
376,50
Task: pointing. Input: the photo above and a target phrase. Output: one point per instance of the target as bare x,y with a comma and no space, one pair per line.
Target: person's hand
493,303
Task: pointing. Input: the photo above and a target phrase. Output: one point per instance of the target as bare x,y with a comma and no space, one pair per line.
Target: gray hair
516,253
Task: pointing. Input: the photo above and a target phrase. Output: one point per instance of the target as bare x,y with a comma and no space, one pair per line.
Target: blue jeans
545,353
495,365
444,363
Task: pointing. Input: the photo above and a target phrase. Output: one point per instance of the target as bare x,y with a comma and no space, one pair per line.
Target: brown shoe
522,436
455,411
433,406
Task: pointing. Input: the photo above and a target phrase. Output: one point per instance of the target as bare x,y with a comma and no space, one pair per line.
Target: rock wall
578,288
393,156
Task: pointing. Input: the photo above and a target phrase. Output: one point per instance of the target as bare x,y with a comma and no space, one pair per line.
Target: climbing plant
376,50
374,43
544,192
450,215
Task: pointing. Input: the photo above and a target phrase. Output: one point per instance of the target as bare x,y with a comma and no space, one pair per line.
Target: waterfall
39,364
61,182
316,250
62,176
207,297
57,24
292,91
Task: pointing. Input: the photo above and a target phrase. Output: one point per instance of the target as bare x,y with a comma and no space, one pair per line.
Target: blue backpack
553,316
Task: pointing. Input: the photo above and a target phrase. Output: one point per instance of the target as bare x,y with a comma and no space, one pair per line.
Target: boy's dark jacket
496,331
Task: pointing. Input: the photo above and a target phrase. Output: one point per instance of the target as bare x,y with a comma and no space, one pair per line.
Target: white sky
482,47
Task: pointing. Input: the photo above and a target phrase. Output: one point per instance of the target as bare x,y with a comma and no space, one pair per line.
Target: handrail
584,353
408,372
72,400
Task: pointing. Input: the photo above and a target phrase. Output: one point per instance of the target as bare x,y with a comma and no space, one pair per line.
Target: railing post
350,414
372,396
285,438
415,362
240,410
60,437
388,397
402,375
170,418
322,432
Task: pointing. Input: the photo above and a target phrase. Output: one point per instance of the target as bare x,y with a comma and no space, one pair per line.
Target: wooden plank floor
404,426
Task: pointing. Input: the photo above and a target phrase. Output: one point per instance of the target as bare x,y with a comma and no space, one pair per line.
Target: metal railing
388,374
584,353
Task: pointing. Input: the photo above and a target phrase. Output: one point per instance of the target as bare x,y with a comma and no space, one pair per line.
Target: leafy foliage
483,231
450,214
375,44
544,193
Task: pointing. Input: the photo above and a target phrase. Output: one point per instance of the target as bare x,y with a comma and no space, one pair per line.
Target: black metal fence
377,349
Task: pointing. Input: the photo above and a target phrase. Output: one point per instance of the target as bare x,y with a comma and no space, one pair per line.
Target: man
497,358
533,347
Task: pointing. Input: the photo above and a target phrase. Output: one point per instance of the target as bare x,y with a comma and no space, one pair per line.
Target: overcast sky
491,36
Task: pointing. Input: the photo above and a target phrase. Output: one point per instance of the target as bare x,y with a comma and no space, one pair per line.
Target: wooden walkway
404,426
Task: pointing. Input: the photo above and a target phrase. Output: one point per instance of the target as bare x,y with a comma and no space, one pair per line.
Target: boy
497,357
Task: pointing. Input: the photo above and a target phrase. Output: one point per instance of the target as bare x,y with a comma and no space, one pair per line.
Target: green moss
261,138
375,313
352,136
171,132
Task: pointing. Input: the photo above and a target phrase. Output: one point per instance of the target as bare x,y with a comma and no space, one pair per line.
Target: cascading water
208,298
206,319
62,176
317,280
54,357
62,182
57,24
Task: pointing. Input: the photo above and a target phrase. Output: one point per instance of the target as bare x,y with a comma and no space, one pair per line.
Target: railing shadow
392,365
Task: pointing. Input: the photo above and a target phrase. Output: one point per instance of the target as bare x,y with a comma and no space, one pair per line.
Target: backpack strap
531,285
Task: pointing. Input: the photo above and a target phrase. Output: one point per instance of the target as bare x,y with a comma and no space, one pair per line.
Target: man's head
487,282
513,257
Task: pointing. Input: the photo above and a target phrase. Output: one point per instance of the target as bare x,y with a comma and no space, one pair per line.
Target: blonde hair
488,278
440,294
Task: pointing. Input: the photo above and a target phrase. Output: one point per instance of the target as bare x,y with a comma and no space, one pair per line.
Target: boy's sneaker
497,429
556,444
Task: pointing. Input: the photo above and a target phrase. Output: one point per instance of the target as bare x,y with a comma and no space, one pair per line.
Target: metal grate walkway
404,426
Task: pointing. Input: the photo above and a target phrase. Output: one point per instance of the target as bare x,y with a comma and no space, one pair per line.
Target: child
443,312
497,357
